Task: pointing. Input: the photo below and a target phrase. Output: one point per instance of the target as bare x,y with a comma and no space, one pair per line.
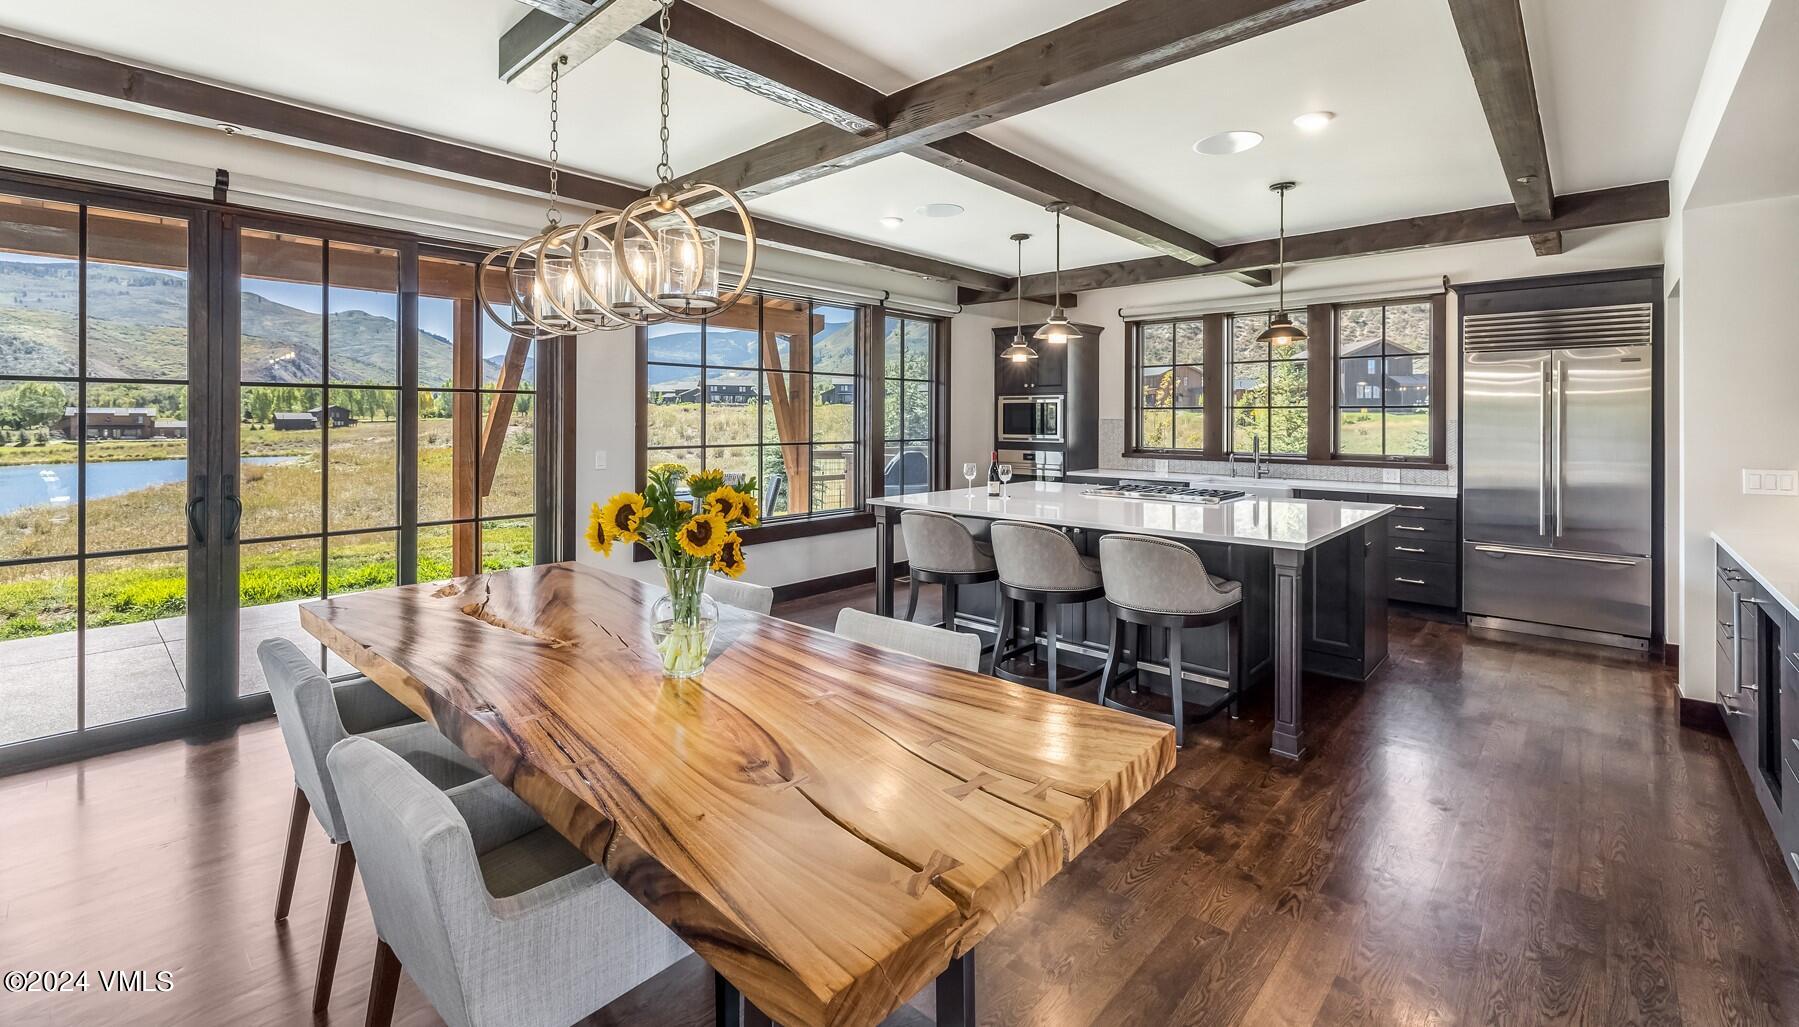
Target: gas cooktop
1166,493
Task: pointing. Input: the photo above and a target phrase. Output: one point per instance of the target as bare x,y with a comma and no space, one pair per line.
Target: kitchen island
1313,587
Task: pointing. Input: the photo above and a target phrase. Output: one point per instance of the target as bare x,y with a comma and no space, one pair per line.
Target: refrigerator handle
1542,470
1558,393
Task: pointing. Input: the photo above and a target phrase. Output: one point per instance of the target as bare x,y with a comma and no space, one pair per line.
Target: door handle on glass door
1543,437
1559,391
196,510
236,508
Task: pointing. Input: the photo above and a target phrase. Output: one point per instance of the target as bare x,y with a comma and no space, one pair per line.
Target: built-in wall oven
1030,419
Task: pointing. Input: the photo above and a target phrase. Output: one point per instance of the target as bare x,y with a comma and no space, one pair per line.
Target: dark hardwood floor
1489,832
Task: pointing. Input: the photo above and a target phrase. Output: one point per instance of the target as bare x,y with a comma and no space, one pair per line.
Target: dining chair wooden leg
911,595
1175,686
949,606
1139,653
290,860
343,871
382,986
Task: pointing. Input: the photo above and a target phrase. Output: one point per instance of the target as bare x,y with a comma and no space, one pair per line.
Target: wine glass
1005,480
968,471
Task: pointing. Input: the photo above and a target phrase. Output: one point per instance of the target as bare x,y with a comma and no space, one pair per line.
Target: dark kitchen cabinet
1047,373
1345,625
1756,679
1423,564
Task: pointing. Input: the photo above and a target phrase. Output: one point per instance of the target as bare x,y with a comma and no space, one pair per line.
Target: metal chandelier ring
492,260
596,226
629,217
570,235
519,305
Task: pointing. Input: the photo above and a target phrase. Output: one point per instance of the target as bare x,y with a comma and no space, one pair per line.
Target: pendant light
1281,330
1057,330
1020,351
536,275
667,268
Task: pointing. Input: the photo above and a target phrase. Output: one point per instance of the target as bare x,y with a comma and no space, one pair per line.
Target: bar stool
941,550
1158,583
1040,568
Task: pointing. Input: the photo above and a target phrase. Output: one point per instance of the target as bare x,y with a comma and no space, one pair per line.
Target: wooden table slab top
826,823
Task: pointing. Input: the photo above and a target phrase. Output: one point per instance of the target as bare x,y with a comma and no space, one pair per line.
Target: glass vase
683,621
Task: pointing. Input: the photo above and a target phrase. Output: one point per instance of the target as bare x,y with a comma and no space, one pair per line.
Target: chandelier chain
664,170
554,215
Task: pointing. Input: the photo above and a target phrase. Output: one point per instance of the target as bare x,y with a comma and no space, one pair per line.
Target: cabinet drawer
1438,508
1341,497
1420,581
1402,527
1787,831
1435,550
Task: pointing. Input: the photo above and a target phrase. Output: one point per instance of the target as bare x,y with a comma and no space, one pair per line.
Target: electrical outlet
599,459
1770,483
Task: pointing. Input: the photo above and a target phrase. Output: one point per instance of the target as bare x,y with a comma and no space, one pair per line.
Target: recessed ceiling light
1224,144
1314,121
892,221
940,210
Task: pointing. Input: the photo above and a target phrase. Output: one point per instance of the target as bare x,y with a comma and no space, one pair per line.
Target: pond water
43,484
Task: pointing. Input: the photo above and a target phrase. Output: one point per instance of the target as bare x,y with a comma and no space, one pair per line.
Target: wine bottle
993,474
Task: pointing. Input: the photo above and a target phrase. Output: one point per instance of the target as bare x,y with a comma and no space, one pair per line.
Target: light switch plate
599,459
1770,482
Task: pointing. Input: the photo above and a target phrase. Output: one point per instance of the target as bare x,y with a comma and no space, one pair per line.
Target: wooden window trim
875,427
1320,392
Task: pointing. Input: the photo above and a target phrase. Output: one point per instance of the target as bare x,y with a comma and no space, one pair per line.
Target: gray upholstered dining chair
741,594
498,919
941,550
314,714
1042,569
938,645
1159,583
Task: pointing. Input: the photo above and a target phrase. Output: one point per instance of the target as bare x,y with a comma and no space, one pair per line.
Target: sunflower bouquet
689,537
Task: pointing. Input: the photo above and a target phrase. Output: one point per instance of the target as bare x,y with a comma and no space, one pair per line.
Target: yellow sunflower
751,514
597,538
728,503
729,559
703,535
670,469
621,516
702,481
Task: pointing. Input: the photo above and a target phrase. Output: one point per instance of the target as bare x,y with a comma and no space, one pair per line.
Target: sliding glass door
209,418
95,409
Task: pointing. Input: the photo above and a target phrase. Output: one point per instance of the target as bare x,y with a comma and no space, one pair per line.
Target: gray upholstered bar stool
1159,583
1039,567
941,550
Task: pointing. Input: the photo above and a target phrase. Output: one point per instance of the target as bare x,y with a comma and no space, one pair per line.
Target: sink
1253,486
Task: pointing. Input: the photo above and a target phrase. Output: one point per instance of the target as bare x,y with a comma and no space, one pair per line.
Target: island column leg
883,561
1289,581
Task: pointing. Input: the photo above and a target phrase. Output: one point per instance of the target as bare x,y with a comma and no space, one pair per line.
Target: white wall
1739,370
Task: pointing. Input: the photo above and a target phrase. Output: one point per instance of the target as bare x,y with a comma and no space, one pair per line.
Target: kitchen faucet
1260,470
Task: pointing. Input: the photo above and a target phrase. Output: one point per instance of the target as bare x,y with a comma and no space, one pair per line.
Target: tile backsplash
1111,454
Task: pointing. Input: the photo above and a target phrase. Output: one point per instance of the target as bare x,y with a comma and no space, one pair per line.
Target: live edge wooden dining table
829,825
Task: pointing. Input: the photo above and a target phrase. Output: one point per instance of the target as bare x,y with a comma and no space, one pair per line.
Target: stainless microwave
1030,419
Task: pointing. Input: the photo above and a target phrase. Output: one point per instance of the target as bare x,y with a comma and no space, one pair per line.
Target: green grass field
39,599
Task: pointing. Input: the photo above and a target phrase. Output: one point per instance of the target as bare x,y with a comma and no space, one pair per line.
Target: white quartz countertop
1771,559
1246,482
1265,522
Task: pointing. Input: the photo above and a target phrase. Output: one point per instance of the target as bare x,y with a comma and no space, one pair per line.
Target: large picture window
1384,379
909,405
769,388
1268,387
1365,387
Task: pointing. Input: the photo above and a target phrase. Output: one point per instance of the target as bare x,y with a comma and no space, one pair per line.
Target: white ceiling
1615,79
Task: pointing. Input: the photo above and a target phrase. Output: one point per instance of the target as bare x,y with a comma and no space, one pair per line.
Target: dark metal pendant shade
1281,330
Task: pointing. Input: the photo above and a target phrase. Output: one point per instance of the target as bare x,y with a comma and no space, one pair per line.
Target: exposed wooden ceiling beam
1492,33
532,44
1596,209
1112,45
1547,244
567,10
706,43
273,119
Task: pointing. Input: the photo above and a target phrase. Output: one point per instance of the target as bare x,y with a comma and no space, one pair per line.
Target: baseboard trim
1701,715
830,583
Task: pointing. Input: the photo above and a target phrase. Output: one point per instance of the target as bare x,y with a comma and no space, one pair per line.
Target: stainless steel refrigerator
1558,472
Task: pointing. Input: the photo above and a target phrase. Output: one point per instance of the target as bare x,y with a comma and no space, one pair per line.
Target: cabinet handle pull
1410,581
1407,549
1408,527
1409,506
